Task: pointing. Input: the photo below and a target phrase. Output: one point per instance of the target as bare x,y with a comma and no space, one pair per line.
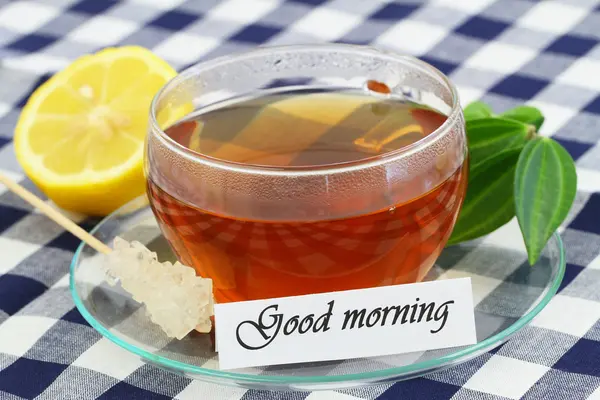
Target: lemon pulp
80,137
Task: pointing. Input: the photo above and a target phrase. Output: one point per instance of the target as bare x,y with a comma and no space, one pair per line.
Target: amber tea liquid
256,258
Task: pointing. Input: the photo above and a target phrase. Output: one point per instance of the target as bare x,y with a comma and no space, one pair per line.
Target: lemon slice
80,137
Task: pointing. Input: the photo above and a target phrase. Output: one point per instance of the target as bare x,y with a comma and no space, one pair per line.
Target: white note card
342,325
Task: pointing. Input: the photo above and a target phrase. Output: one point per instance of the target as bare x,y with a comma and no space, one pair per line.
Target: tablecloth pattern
505,52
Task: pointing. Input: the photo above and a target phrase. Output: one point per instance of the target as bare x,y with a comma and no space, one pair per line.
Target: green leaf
477,109
490,136
489,202
545,186
527,114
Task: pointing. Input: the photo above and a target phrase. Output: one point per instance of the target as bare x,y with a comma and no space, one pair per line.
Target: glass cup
261,231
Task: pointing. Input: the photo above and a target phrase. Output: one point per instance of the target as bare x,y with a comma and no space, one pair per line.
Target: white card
343,325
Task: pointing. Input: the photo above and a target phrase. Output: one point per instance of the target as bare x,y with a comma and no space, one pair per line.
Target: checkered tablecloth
505,52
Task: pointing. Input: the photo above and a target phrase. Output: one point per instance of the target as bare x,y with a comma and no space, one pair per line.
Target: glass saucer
507,294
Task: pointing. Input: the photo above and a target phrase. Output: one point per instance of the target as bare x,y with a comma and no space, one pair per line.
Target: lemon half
80,137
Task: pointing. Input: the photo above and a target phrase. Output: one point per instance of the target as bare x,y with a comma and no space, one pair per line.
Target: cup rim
368,162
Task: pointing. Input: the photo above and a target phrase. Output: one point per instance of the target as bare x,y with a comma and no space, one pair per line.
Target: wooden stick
54,214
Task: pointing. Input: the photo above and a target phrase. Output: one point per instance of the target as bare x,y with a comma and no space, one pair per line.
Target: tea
352,242
306,129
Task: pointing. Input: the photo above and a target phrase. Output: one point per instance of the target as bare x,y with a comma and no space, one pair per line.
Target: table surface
506,52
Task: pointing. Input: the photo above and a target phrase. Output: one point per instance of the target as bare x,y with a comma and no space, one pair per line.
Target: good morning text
256,334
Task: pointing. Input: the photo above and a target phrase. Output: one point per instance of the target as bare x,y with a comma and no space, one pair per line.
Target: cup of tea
307,169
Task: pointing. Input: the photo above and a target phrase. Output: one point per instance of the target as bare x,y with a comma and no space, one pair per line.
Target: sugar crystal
175,298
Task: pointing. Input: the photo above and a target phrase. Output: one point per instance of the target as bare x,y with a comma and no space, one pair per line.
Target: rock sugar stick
175,298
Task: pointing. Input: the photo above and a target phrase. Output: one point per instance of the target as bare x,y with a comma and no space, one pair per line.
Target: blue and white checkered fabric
506,52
